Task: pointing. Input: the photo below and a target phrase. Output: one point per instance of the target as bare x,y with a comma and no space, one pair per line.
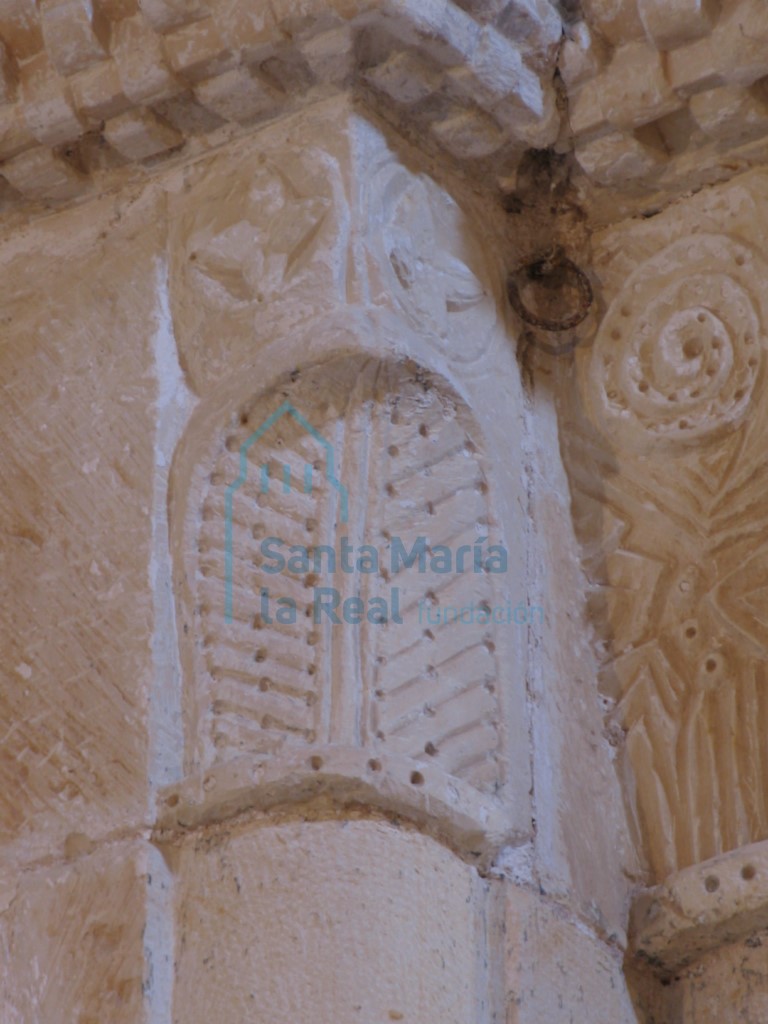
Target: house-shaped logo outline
285,409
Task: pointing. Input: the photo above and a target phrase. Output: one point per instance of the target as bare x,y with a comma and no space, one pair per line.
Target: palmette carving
420,683
667,496
330,427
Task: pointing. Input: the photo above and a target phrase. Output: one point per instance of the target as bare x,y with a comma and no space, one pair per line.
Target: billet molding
91,90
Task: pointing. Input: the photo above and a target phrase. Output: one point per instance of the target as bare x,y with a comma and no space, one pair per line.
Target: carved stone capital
665,445
345,335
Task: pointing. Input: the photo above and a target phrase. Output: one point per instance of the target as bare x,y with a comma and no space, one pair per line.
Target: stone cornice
665,97
656,98
89,88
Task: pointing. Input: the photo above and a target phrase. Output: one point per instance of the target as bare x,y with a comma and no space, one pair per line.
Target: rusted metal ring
541,269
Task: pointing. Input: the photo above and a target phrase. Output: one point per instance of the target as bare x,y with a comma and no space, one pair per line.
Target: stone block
634,89
670,25
140,134
533,25
583,55
405,78
48,108
20,27
741,39
97,92
164,15
437,27
619,156
468,135
702,908
74,36
495,73
197,51
71,941
556,969
141,62
617,20
731,114
77,427
330,55
39,173
251,29
238,95
695,67
587,115
729,984
388,930
15,136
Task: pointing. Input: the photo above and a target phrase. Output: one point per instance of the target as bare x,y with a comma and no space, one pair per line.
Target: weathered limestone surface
703,932
88,88
664,97
425,817
666,464
703,907
584,849
71,938
280,888
654,98
77,435
729,984
332,305
349,921
556,969
327,262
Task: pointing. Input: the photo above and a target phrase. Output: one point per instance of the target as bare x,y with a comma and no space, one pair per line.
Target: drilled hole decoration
686,366
414,683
